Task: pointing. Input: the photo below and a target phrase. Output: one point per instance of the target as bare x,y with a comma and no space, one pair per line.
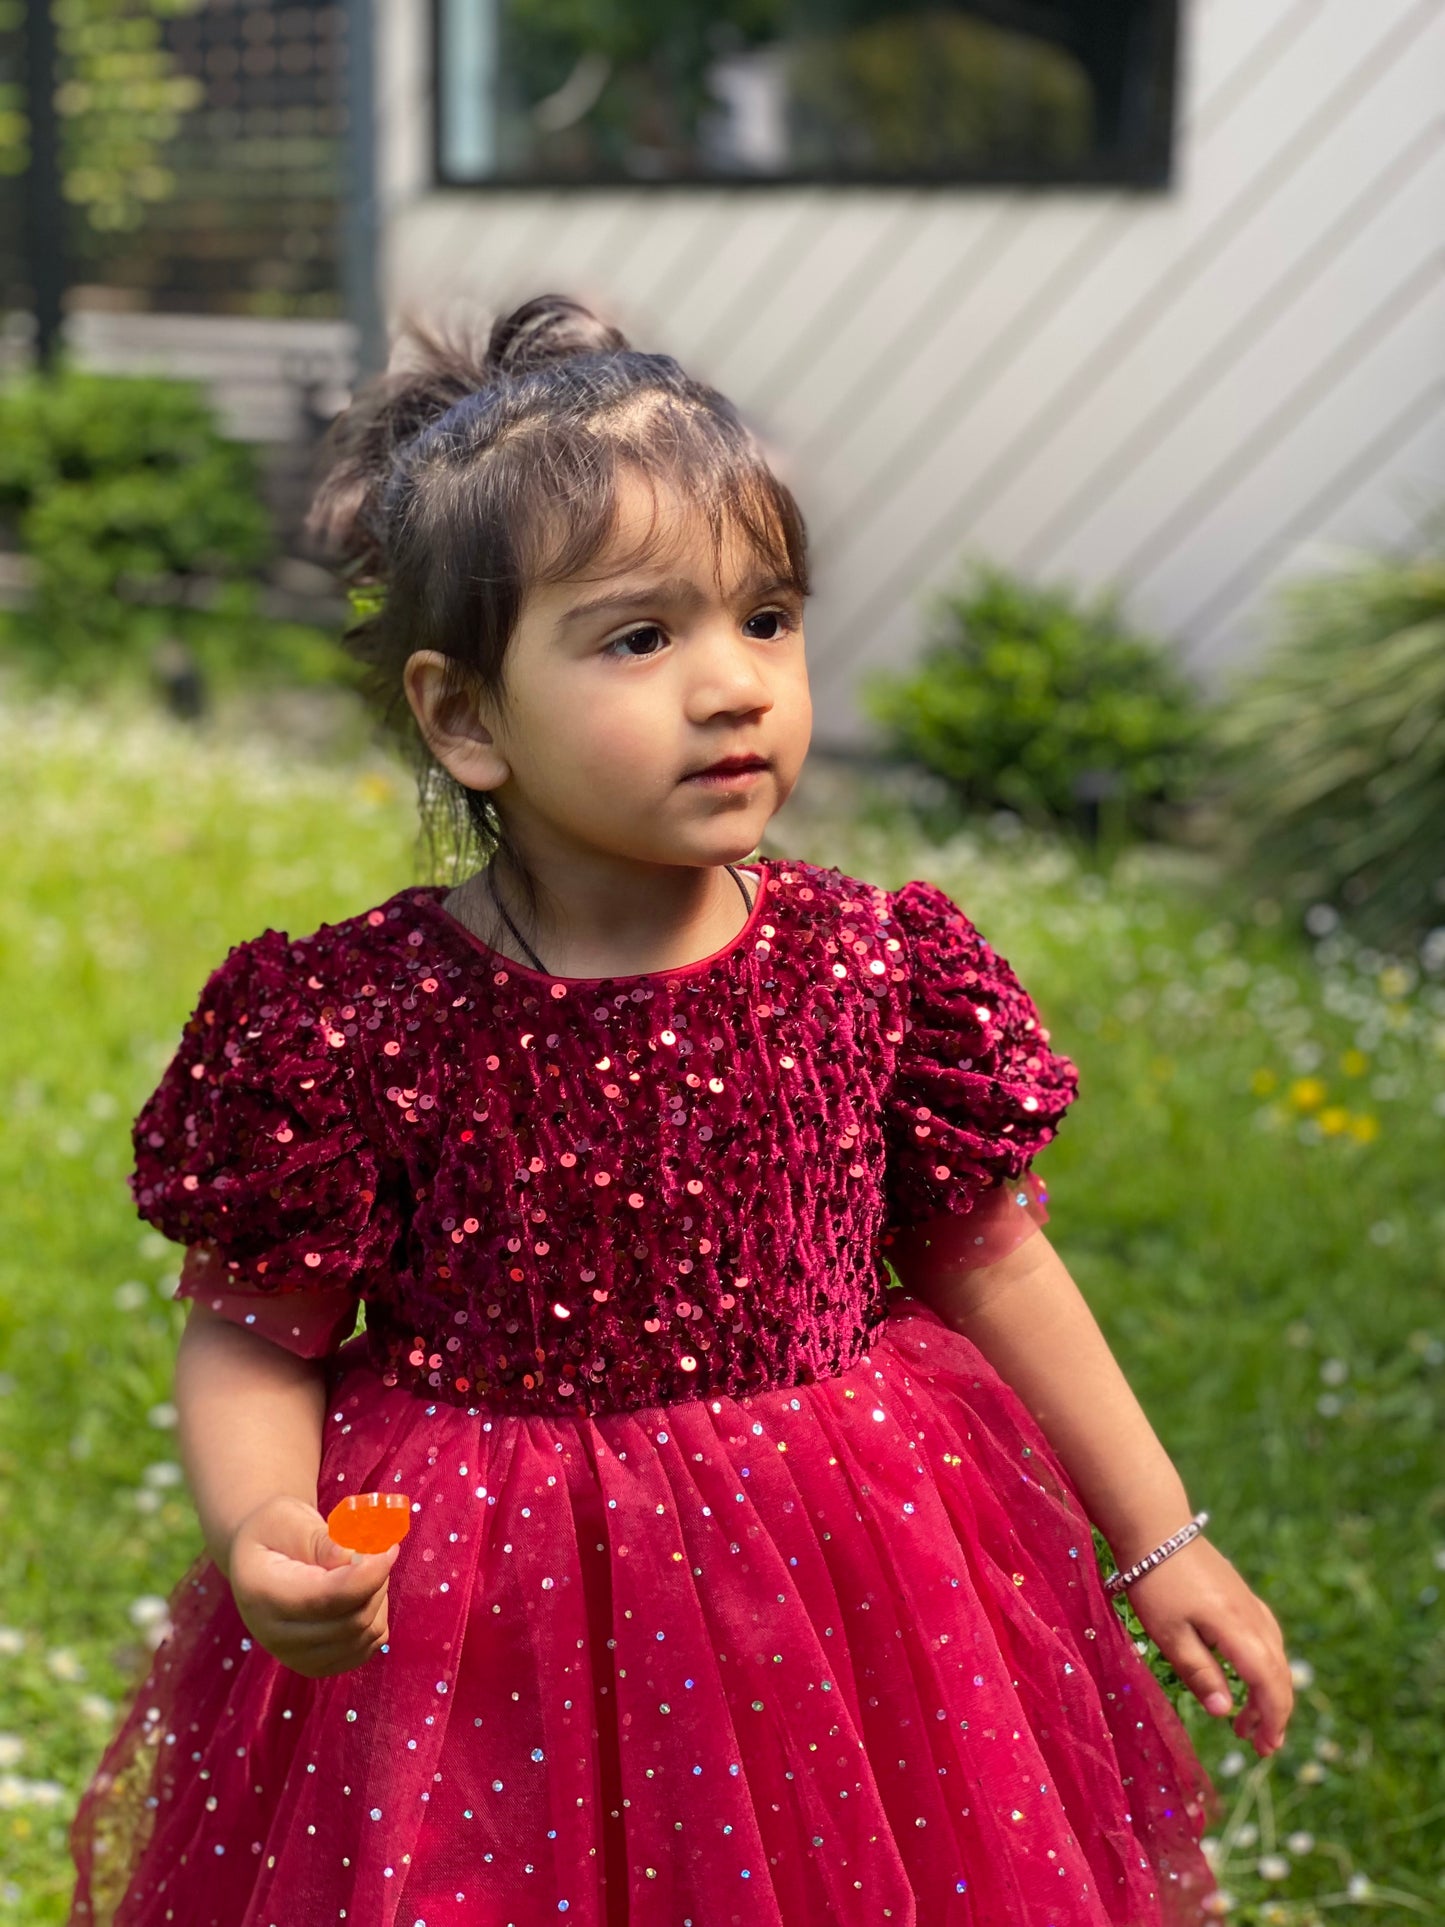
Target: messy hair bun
479,466
439,369
550,328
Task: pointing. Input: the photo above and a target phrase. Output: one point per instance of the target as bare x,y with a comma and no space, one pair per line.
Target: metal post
44,207
360,216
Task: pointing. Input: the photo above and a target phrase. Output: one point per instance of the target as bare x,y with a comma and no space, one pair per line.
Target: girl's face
623,684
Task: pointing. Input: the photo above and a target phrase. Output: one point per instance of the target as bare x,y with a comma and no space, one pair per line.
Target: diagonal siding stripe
1277,422
1417,414
681,233
613,227
640,233
851,252
1196,382
737,242
566,257
911,333
1255,67
497,232
737,313
919,560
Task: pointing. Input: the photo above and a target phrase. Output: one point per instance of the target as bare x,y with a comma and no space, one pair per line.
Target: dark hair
452,485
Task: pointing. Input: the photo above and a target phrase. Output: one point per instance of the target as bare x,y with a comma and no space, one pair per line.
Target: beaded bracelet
1117,1581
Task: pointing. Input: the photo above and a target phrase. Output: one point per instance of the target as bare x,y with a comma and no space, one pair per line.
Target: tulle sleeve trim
977,1090
310,1323
927,1255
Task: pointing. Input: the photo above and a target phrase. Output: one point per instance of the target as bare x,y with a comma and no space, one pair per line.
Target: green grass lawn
1248,1191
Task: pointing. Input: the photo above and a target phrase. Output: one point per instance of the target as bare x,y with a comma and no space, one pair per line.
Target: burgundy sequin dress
739,1589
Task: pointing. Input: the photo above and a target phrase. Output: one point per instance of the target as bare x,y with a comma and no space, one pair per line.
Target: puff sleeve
250,1153
976,1093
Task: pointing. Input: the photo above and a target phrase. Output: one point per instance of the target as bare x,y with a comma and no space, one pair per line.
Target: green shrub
142,521
1334,750
1027,699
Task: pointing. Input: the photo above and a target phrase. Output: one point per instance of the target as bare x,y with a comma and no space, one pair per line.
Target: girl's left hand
1194,1601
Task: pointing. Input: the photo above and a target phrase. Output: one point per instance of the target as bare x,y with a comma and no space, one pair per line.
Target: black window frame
1145,163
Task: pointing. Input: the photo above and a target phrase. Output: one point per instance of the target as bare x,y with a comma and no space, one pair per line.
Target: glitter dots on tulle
658,1188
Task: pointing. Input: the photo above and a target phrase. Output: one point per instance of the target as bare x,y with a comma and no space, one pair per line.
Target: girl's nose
729,676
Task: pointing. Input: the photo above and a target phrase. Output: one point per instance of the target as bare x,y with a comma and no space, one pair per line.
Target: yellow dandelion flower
1307,1093
377,789
1354,1063
1364,1128
1394,981
1263,1082
1334,1119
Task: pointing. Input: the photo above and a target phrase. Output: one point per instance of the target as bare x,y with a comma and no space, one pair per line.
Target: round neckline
431,895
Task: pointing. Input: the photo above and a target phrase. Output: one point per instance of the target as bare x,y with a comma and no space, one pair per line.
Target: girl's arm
248,1424
1031,1322
249,1418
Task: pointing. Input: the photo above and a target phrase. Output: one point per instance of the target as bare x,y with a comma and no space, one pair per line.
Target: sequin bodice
594,1194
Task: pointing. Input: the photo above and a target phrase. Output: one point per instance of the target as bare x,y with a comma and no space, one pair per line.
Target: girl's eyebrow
675,589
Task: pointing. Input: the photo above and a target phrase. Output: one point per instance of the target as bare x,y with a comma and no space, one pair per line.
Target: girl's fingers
1200,1613
1261,1662
316,1648
377,1626
1200,1671
293,1591
324,1594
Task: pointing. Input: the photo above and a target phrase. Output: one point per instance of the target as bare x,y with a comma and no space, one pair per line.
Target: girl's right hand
311,1603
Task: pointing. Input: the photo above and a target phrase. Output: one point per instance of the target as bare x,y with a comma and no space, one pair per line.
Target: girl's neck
719,919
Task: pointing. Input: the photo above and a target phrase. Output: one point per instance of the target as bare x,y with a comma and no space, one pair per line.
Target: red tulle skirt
836,1651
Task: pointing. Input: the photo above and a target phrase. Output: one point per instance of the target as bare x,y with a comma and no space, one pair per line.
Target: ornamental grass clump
1333,751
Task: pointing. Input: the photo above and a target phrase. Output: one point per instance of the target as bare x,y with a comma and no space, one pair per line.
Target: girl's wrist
1125,1577
221,1541
1139,1533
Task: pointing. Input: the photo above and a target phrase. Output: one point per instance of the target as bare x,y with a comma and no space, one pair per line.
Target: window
1000,92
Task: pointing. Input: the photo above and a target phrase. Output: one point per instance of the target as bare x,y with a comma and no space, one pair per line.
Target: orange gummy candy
370,1521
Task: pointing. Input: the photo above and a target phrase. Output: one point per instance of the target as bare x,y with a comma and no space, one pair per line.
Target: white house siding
1190,395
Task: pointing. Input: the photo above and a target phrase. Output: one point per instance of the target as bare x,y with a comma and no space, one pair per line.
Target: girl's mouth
734,772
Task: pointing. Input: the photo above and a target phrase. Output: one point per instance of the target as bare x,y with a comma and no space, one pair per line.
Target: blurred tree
120,101
932,90
203,149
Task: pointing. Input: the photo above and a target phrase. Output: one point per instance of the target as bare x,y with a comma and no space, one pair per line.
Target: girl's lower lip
726,778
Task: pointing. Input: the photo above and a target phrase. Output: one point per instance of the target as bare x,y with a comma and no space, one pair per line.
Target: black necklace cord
492,890
536,960
741,886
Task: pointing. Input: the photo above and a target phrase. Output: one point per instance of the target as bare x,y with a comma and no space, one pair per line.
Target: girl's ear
451,723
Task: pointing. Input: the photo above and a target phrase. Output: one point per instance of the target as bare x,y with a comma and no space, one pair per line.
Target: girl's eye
783,623
619,643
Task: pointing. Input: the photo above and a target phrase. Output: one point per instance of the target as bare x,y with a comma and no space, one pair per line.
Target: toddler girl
740,1590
